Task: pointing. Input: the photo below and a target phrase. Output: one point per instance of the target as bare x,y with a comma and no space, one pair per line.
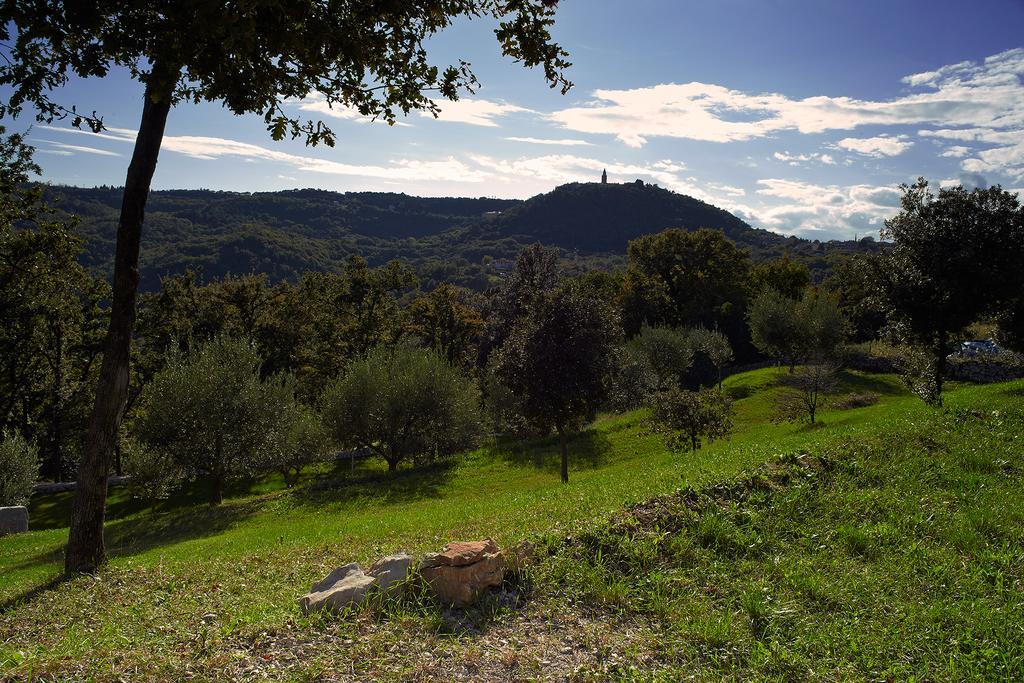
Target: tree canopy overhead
256,56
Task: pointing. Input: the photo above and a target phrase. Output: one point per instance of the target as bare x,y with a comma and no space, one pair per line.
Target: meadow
891,547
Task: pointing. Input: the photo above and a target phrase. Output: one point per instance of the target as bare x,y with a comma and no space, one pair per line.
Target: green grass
245,562
899,555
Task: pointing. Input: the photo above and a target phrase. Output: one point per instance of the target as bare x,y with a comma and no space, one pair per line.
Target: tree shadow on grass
849,381
146,531
383,488
30,594
588,449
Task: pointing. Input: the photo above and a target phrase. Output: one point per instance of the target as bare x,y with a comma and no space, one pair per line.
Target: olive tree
775,326
19,467
252,57
806,330
686,417
303,440
666,351
212,414
714,346
559,361
403,404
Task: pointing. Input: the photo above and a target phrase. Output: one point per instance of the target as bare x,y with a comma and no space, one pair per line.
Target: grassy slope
897,556
247,560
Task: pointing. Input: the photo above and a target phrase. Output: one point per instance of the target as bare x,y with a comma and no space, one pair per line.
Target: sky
801,117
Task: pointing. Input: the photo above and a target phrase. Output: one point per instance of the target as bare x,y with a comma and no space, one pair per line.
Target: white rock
352,589
391,570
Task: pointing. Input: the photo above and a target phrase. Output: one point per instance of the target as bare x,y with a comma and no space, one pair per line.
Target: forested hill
286,233
596,217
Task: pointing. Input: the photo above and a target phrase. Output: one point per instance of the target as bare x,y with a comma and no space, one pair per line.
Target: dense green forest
284,234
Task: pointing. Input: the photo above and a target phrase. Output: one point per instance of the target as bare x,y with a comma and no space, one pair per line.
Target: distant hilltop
452,239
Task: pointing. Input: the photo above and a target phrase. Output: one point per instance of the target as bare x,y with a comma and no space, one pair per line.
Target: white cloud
318,105
966,94
881,146
65,149
206,148
799,159
475,112
810,209
565,142
956,151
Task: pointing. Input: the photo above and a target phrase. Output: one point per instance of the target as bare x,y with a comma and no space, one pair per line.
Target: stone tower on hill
604,177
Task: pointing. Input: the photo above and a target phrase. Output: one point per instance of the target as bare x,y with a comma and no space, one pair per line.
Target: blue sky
800,117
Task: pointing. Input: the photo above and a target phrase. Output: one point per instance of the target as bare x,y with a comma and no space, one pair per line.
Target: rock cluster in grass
13,520
458,576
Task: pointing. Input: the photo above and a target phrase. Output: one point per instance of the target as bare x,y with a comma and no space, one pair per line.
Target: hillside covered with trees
284,234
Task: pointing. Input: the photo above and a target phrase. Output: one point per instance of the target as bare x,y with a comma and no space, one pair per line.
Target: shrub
212,414
19,468
403,403
685,417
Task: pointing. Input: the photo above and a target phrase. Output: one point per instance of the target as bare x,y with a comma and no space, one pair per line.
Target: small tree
775,326
685,417
804,390
666,351
19,467
559,361
403,404
304,441
714,346
212,414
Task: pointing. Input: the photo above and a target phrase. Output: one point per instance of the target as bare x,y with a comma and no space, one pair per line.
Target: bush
19,468
212,414
404,404
685,417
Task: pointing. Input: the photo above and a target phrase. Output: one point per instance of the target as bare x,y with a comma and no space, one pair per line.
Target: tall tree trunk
565,454
85,550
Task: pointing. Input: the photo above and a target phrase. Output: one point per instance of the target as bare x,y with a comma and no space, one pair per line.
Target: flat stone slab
13,520
344,587
460,554
391,571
